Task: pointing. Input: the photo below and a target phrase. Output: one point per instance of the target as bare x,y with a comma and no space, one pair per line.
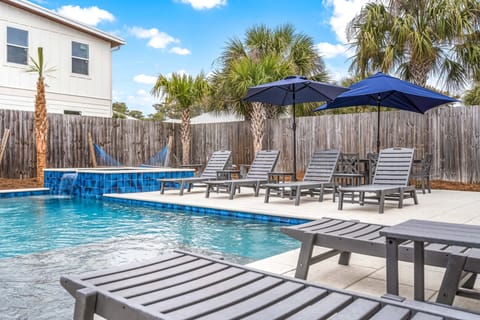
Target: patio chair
182,285
390,181
264,162
218,161
423,173
318,177
352,236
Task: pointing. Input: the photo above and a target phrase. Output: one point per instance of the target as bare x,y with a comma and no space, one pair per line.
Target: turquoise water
45,237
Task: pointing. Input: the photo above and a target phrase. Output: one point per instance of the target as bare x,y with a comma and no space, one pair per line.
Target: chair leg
232,190
400,198
414,196
85,300
267,195
450,281
297,195
182,186
257,188
470,282
305,256
382,202
423,185
428,185
340,200
162,187
344,258
322,190
207,191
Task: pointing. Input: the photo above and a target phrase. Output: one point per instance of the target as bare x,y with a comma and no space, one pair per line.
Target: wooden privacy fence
452,135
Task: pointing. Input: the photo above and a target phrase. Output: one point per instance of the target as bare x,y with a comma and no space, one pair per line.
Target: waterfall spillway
67,183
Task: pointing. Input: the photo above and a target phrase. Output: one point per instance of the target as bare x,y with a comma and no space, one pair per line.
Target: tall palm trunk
419,71
41,128
257,124
186,136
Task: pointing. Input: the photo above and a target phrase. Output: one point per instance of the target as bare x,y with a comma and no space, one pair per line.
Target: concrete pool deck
365,274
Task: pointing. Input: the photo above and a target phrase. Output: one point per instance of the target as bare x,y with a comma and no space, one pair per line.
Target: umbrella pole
378,126
294,128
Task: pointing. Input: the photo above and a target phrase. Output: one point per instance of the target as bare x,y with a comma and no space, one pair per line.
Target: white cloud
204,4
180,51
343,12
143,78
91,15
157,39
328,50
142,100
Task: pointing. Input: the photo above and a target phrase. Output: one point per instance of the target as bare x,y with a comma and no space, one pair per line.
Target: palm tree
472,96
269,54
418,39
181,93
40,115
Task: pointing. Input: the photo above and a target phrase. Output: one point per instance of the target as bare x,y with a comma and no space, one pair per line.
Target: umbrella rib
320,93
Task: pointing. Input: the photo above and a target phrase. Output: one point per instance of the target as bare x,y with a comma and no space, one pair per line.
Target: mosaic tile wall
207,211
13,194
95,184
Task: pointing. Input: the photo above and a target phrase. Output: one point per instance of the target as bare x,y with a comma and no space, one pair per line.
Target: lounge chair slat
288,305
426,316
140,271
152,293
211,270
324,308
215,302
358,309
259,301
248,280
391,313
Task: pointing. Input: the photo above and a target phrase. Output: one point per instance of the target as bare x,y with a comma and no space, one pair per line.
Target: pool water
45,237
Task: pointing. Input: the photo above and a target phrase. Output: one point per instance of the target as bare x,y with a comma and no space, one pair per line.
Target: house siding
91,95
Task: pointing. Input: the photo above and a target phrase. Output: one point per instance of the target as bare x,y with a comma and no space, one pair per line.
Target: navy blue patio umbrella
387,91
290,91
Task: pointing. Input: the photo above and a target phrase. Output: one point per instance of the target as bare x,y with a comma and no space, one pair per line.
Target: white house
80,55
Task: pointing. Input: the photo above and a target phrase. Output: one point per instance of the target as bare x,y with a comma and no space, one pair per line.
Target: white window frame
16,46
81,58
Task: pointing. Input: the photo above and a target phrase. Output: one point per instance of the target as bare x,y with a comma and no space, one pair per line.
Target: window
79,58
76,113
17,46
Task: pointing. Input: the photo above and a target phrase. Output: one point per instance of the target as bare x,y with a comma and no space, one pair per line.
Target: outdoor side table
227,174
279,176
196,166
421,231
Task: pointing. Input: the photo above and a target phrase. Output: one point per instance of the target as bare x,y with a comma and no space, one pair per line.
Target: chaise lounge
264,162
318,177
346,236
218,161
183,285
390,182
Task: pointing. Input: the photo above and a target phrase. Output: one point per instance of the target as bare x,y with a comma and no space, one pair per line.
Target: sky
166,36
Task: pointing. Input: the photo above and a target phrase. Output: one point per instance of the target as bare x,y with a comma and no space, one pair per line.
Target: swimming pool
44,237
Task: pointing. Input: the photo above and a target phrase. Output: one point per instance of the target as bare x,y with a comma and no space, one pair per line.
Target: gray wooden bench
217,162
264,162
390,182
347,236
318,177
183,285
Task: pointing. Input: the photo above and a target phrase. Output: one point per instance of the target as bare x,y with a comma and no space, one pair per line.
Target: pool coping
12,193
204,210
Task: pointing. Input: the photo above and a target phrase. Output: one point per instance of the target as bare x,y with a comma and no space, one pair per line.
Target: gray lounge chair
390,182
318,177
217,162
347,236
183,285
264,162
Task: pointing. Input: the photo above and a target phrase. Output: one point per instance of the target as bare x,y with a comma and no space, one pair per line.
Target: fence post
3,145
